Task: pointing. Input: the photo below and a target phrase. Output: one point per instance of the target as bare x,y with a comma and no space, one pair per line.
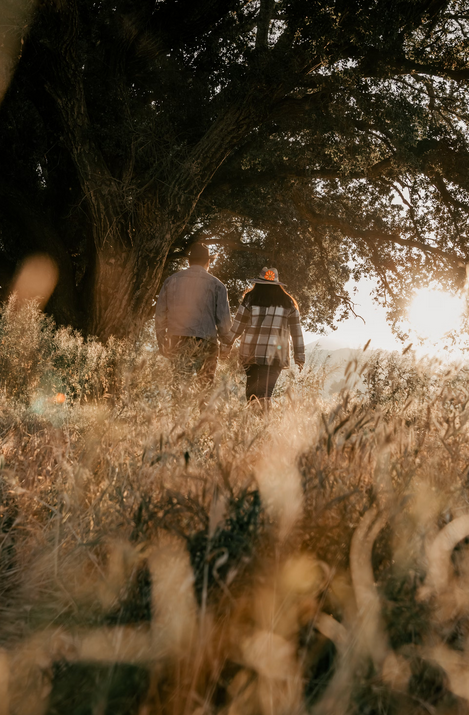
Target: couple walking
192,312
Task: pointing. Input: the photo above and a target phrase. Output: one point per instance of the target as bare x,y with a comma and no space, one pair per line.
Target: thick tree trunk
114,272
125,285
128,264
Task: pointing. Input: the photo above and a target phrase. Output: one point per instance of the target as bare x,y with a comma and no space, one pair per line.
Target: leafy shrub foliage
38,360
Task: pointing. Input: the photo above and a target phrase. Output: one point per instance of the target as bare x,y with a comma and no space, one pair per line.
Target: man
191,313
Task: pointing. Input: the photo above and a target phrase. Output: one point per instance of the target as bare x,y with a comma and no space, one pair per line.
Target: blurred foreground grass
167,551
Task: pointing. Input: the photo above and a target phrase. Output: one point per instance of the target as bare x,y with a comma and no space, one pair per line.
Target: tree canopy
328,138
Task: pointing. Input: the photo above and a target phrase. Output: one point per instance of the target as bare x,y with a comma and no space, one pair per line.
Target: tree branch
372,236
263,23
402,65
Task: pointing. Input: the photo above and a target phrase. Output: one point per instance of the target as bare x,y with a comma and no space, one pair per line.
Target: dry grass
165,551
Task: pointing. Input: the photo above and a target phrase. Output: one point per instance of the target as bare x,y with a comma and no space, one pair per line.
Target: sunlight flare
435,313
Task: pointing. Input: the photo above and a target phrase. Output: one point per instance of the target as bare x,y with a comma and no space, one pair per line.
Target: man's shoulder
176,277
188,273
216,281
212,280
170,278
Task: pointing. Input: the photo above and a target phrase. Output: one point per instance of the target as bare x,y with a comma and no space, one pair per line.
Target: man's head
199,255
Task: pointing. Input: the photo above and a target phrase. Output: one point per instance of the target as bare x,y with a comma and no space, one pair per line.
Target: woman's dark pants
261,381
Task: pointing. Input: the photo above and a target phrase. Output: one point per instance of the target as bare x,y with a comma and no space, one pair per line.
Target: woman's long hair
265,296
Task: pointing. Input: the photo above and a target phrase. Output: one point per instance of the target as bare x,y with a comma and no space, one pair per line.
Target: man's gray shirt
192,302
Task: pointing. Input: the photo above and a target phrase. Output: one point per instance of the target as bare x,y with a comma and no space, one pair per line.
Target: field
165,550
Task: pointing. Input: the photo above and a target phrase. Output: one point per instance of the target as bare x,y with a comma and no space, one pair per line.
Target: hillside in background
335,362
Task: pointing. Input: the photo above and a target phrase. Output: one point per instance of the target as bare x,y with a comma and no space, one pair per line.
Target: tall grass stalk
165,550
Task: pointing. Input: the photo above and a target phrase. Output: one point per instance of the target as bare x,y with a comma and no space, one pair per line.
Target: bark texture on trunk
126,284
128,263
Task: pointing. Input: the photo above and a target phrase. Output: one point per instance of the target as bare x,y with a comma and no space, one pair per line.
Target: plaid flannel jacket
266,335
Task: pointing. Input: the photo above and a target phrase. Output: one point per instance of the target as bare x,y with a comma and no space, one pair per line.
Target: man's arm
223,315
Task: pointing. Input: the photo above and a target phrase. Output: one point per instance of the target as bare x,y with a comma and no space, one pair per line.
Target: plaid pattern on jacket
266,333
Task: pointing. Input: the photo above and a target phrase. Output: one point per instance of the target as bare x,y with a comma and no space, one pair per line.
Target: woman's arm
296,333
241,320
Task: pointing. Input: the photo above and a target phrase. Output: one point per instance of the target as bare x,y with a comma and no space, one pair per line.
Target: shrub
39,360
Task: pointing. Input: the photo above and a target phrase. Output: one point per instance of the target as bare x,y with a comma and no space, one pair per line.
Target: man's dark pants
191,354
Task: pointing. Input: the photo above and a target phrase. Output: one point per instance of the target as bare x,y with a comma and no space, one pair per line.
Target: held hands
224,351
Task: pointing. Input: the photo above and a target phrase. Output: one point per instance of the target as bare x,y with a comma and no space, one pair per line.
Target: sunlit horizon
434,313
431,316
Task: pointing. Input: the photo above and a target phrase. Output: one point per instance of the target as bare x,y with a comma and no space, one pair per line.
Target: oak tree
326,137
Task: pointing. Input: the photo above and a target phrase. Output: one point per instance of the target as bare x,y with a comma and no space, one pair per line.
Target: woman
266,319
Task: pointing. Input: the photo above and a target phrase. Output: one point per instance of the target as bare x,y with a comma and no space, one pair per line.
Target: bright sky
432,313
353,332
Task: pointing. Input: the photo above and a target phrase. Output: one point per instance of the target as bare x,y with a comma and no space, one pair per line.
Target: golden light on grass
173,602
435,313
311,559
36,279
278,478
